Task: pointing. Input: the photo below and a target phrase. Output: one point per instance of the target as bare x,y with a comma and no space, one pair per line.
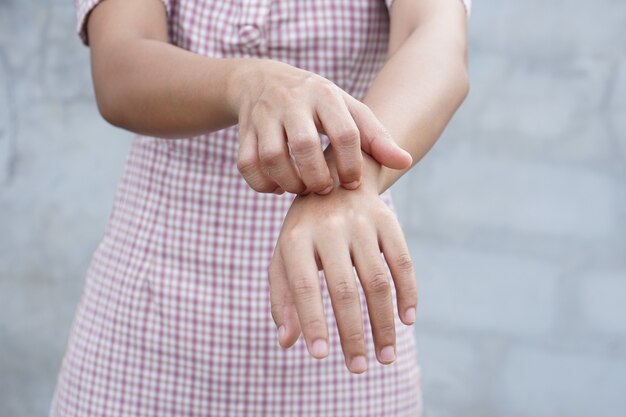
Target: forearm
147,85
420,86
154,88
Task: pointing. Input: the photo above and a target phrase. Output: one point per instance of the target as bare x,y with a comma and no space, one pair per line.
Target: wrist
245,77
370,174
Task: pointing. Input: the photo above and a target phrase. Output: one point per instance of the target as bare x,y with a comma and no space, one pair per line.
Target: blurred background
516,220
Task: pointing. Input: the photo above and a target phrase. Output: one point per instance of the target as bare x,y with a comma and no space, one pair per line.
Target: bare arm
423,82
414,95
146,85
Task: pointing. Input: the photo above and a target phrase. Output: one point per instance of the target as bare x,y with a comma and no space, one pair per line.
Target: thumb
376,140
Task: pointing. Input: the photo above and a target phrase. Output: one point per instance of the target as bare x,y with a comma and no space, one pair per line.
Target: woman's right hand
282,109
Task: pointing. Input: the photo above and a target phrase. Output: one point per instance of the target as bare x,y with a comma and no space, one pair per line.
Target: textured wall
517,219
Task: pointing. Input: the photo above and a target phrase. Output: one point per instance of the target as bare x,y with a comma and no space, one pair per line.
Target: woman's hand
282,109
333,233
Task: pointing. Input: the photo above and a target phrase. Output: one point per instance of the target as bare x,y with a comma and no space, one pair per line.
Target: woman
175,316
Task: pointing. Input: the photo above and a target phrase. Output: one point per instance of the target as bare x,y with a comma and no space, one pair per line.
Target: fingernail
388,354
319,349
327,189
351,185
281,333
358,364
278,191
409,315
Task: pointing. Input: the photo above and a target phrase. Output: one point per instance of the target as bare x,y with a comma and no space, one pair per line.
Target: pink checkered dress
174,319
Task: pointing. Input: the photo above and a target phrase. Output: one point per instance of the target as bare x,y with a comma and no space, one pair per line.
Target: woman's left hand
334,232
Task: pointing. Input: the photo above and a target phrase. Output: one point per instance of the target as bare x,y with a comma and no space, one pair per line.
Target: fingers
305,289
306,148
344,295
375,282
249,165
398,259
342,131
375,139
275,159
296,107
283,308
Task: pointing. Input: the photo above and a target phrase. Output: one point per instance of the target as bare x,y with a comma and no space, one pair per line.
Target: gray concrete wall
517,218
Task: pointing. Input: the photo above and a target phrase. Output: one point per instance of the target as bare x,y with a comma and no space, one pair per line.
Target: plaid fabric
174,319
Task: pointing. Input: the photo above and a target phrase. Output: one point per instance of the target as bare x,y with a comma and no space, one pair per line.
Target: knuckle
403,262
347,137
270,156
260,111
304,143
360,221
353,337
326,87
345,292
360,106
303,288
386,333
378,283
383,130
246,163
334,222
409,293
291,236
284,94
254,179
315,323
385,213
311,78
257,182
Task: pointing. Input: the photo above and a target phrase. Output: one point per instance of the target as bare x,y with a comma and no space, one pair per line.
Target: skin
145,85
422,83
281,111
148,86
333,233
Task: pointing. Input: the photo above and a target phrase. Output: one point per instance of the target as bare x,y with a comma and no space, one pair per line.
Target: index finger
398,258
344,135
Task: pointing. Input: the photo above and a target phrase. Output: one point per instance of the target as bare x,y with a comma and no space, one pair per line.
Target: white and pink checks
174,319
